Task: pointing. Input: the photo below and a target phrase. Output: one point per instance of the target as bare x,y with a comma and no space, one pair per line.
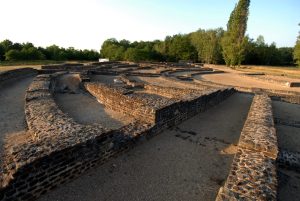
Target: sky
85,24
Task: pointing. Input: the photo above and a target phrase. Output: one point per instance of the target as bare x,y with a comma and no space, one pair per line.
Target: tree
297,50
179,47
112,49
13,55
207,44
135,54
234,40
6,44
2,53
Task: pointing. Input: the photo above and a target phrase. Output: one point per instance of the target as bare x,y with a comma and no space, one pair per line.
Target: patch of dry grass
292,72
6,68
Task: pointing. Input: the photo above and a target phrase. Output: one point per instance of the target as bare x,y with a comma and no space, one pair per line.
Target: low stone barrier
171,92
120,99
294,84
16,74
253,173
56,149
155,107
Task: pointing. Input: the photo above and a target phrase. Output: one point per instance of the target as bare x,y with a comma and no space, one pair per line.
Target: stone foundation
56,149
253,173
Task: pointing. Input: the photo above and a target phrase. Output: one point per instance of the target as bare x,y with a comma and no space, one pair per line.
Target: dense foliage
214,46
234,41
297,50
10,51
208,46
175,48
200,46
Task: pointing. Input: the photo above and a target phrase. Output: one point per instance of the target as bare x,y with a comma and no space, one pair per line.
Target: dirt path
288,139
235,79
12,117
189,162
85,109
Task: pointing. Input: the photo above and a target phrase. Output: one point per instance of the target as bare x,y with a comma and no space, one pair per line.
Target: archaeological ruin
68,119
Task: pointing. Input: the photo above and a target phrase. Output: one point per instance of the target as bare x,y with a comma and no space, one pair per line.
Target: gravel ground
12,117
85,109
289,139
189,162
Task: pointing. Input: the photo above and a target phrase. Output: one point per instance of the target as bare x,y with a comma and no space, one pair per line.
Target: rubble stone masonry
57,149
253,171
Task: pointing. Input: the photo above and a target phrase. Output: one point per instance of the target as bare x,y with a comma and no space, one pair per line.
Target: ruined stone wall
153,107
56,149
7,76
253,171
175,93
190,105
122,100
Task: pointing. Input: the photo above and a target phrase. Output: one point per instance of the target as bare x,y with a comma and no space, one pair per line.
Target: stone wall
162,104
56,149
7,76
253,171
120,99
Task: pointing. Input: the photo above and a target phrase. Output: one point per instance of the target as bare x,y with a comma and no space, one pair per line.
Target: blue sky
87,23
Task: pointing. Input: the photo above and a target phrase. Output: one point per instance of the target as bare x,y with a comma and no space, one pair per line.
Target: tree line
201,46
10,51
214,46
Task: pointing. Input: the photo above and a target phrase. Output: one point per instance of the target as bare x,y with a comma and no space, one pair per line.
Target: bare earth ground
107,79
235,79
189,162
288,138
6,68
282,78
183,73
85,109
12,117
164,82
270,70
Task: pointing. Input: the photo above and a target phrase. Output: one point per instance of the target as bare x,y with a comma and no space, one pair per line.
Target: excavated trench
286,114
106,79
188,162
12,117
83,107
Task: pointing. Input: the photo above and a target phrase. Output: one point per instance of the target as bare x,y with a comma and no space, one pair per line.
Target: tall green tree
207,44
234,40
297,50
